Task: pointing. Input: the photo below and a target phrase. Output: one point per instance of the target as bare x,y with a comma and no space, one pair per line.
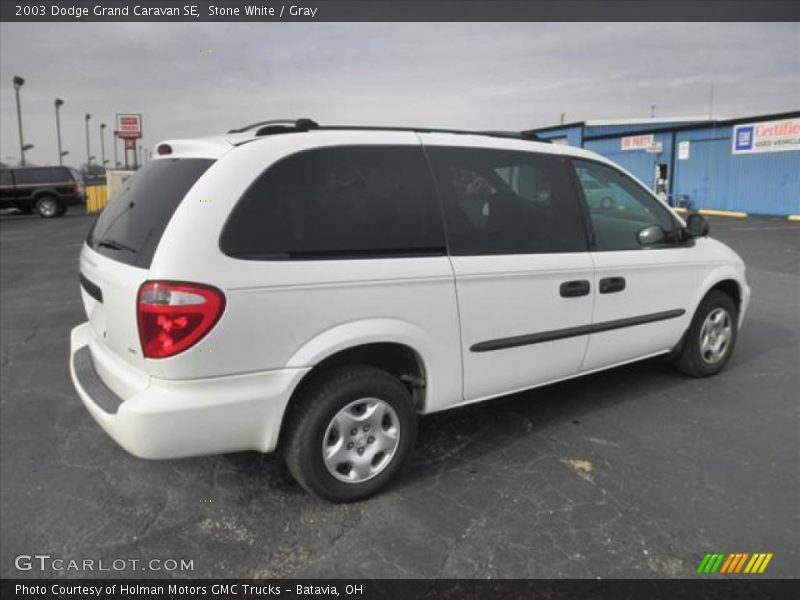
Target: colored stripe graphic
717,563
727,564
755,562
703,563
730,564
734,563
765,563
740,564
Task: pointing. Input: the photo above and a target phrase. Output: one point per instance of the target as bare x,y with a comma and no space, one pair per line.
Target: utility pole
18,83
711,104
652,111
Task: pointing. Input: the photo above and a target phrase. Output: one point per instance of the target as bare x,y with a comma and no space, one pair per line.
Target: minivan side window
507,202
339,202
619,208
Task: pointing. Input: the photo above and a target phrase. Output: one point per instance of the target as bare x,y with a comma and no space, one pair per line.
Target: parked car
46,190
316,289
597,195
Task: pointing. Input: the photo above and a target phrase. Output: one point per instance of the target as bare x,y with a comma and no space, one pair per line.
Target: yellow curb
723,213
680,210
794,217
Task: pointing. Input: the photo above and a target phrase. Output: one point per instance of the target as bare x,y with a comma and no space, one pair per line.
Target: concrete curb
728,213
715,213
723,213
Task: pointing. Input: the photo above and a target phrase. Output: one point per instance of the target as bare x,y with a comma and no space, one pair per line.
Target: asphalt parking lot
634,472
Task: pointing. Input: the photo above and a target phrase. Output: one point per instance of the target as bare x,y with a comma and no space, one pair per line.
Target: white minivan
315,289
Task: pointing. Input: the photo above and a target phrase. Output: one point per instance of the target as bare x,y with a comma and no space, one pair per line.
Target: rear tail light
174,316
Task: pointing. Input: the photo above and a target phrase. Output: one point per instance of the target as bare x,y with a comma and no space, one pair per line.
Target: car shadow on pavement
452,439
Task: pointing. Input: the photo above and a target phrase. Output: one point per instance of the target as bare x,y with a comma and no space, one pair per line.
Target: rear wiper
115,245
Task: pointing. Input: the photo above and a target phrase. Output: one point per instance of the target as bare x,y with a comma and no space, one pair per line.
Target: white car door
523,273
644,292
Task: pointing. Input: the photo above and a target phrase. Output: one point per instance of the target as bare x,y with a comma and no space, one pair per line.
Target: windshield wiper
115,245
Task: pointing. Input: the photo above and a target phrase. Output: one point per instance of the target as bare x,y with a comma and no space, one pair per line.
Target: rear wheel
47,207
349,433
711,337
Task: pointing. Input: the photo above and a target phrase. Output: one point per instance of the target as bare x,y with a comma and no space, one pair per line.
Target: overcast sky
197,79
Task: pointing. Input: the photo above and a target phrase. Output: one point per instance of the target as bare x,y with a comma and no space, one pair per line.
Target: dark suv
46,190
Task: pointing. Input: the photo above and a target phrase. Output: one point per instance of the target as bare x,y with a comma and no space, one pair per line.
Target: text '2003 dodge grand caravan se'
315,289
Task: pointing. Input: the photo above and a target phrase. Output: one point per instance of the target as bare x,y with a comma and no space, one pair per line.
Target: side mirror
651,235
696,226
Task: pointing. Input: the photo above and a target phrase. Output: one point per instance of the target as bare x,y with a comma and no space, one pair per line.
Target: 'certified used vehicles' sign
767,136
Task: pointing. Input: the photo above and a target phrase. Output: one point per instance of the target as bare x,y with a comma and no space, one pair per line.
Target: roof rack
284,124
298,125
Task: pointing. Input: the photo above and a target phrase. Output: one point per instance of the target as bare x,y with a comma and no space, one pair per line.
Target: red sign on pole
129,126
130,144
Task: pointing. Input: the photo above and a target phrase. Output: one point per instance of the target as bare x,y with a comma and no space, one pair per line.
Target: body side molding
559,334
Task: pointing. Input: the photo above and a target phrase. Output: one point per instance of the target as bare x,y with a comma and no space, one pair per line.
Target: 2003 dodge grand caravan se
315,289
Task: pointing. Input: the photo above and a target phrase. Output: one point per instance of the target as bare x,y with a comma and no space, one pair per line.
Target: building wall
714,177
711,177
631,128
573,134
640,163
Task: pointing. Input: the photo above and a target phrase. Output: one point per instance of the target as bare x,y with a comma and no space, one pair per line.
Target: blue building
749,165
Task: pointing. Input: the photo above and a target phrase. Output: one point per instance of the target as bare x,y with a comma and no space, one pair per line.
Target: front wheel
711,337
349,433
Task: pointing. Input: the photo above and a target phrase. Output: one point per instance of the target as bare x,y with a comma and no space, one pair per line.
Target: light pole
116,162
18,83
59,102
88,152
102,145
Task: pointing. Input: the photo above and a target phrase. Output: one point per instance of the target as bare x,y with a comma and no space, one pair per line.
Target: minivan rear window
130,227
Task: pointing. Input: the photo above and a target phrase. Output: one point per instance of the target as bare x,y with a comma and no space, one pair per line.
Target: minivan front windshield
130,227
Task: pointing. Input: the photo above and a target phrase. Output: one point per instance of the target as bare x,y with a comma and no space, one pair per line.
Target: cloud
196,79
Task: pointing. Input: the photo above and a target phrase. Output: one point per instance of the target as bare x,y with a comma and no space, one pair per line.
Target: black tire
47,207
313,412
691,359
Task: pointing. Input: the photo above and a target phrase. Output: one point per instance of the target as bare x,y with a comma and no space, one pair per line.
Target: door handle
572,289
610,285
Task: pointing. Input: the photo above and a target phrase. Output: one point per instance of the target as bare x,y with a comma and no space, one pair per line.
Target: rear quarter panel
296,313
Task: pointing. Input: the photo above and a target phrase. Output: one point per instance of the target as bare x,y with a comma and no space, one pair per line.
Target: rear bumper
172,419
